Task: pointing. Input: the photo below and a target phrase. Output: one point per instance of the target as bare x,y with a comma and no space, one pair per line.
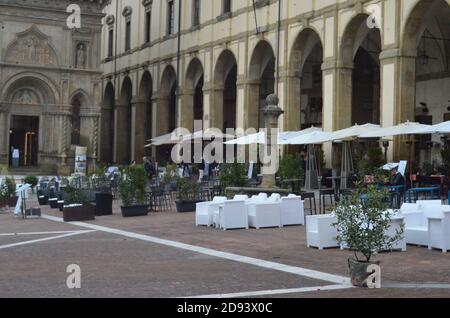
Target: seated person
396,180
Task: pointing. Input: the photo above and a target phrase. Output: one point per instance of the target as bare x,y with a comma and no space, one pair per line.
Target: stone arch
224,95
192,96
107,125
144,115
305,100
168,90
425,69
360,52
40,86
261,76
78,100
123,123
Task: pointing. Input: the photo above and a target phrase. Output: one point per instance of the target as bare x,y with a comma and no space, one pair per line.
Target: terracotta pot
358,272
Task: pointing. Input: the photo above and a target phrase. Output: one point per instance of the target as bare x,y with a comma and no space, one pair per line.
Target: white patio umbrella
312,138
408,128
167,139
206,135
260,138
442,128
354,131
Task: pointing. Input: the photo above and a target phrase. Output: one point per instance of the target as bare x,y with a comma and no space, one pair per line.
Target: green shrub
233,175
10,187
290,168
75,196
33,180
133,184
188,189
371,163
362,222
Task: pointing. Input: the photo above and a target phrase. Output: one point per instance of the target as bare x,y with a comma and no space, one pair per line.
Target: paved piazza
165,255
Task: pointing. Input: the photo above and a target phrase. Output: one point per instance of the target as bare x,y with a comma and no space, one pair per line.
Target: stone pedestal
271,114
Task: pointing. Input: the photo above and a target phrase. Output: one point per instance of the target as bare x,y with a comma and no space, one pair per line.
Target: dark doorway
24,137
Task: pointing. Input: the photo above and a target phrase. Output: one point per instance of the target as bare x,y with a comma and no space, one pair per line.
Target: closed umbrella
311,173
346,163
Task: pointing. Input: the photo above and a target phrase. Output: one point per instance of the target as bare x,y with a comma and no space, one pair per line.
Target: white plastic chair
232,215
439,231
240,197
274,197
319,231
204,211
429,202
264,214
416,228
292,211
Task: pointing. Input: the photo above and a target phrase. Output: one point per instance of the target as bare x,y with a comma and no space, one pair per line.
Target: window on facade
148,23
110,43
226,6
128,36
196,13
170,17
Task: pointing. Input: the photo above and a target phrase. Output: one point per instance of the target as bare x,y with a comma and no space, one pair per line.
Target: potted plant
11,192
290,168
31,180
362,223
77,206
4,198
132,187
233,175
187,195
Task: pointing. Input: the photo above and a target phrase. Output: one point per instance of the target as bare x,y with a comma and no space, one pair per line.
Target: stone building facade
332,63
50,82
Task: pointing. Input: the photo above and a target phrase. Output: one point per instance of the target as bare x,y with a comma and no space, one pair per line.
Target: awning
260,138
312,138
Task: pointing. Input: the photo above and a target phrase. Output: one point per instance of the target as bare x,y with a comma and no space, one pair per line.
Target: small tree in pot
77,206
362,223
11,191
31,180
188,194
132,189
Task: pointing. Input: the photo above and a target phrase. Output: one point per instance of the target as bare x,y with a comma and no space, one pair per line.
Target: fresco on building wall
26,96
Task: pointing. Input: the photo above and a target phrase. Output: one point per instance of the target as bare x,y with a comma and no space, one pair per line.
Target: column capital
186,91
207,87
333,64
397,53
138,100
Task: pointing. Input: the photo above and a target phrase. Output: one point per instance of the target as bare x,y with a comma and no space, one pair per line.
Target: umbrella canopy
260,138
167,139
354,131
346,163
442,128
206,135
312,138
408,128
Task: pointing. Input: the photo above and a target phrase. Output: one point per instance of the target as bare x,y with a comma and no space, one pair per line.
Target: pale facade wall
329,19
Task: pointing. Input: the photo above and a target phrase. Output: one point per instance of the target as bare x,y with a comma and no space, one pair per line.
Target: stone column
160,121
248,116
292,106
4,138
337,100
272,112
121,135
213,106
398,95
185,109
138,129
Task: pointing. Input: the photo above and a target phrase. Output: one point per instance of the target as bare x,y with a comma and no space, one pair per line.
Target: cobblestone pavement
165,255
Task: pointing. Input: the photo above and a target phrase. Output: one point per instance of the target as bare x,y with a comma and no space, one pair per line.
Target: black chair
346,194
323,194
311,197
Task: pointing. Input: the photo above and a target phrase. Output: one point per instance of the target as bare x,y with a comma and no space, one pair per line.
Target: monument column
272,113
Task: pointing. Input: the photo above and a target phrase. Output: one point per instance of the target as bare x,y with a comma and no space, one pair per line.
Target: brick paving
116,266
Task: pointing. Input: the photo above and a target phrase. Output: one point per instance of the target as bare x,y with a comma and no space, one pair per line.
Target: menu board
81,160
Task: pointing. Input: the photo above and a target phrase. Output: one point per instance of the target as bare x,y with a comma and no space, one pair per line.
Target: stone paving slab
113,266
284,246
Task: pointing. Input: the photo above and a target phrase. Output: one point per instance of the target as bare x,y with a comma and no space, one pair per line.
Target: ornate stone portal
48,80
